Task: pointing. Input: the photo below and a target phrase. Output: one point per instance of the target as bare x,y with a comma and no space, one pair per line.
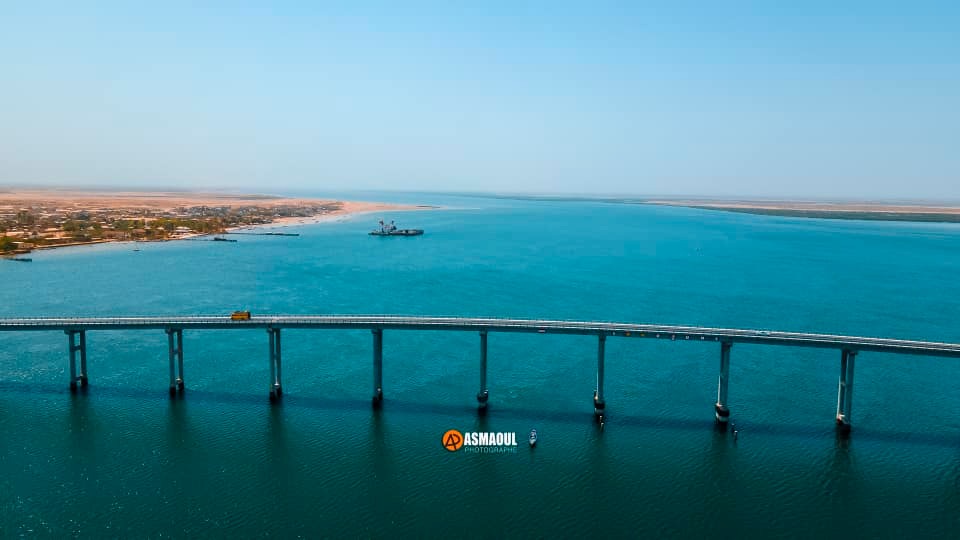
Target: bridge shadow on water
390,406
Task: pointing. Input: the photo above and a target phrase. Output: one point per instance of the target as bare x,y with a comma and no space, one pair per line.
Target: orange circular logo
452,440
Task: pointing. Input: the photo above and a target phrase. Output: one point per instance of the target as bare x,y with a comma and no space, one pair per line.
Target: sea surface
123,459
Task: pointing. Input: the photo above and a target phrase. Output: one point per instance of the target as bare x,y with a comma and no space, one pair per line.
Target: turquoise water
124,459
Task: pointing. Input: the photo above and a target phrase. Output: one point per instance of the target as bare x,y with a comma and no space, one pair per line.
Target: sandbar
872,211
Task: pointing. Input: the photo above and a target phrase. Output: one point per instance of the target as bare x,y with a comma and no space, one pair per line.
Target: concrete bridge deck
849,346
394,322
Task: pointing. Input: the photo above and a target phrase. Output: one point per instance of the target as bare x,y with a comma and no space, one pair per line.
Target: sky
767,99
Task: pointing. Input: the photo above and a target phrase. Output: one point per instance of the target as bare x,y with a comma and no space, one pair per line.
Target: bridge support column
75,347
276,388
377,367
599,405
845,391
175,352
722,412
483,395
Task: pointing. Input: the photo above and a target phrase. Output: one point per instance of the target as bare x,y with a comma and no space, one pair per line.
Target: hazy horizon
815,101
507,194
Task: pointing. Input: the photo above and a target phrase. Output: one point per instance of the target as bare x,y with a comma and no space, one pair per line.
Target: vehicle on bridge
240,316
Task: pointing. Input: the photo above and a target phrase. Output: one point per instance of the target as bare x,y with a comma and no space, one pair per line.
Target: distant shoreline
40,219
821,210
903,211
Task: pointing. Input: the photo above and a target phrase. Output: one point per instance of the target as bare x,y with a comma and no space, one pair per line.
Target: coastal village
30,224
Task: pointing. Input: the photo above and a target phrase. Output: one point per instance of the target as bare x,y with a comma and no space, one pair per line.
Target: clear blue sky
828,99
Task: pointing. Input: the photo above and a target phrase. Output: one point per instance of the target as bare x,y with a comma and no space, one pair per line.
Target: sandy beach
347,209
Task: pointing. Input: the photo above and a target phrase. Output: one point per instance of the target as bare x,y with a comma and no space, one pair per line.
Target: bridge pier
599,405
175,352
377,367
76,347
845,391
276,388
483,395
721,411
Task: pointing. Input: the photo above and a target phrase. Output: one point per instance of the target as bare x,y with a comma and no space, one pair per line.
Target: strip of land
874,211
38,219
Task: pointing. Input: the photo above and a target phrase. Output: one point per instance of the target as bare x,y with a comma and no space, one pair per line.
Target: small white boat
533,437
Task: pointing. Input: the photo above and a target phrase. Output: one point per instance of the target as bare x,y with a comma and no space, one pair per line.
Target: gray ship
392,230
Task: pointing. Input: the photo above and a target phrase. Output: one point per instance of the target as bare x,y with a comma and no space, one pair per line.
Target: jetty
848,347
263,233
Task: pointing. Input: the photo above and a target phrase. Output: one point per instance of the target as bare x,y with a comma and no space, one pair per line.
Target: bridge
848,346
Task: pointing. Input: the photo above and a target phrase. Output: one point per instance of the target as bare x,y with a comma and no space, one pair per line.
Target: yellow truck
240,316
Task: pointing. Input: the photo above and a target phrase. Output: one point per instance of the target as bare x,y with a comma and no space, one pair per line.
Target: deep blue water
124,459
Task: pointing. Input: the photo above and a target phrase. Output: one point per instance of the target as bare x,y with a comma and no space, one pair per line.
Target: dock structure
849,346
